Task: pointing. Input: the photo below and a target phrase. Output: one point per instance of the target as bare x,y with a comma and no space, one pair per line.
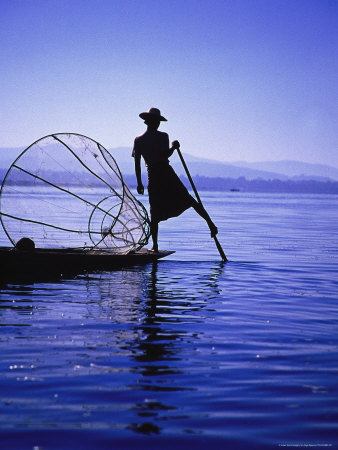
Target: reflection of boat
41,263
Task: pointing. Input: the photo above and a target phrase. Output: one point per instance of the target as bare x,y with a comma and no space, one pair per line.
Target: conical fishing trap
66,191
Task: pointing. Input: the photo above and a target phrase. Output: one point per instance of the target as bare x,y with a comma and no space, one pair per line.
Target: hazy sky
237,79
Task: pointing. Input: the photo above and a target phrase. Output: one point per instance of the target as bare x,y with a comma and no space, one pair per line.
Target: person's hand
140,189
175,145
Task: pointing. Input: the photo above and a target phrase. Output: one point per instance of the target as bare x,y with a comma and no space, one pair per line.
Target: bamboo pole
218,245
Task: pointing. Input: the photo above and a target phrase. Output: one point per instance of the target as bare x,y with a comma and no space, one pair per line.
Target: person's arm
174,146
137,160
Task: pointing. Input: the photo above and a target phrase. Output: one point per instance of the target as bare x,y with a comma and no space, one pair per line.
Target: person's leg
202,212
154,234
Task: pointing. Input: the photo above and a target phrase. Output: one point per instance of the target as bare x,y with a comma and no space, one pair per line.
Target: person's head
25,245
152,122
152,118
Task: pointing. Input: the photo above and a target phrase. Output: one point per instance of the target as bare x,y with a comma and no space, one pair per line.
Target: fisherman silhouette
168,197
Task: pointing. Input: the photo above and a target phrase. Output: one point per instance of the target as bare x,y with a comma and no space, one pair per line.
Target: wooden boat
56,263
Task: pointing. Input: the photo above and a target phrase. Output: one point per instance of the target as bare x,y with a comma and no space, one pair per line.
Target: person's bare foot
154,249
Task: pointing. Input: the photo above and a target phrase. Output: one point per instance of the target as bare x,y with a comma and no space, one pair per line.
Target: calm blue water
188,351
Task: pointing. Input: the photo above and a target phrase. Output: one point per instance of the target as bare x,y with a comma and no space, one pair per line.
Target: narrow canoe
46,263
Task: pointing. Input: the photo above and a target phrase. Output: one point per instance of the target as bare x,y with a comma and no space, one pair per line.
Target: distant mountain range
294,169
274,170
280,170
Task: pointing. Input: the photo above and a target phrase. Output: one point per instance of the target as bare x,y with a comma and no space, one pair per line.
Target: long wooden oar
218,245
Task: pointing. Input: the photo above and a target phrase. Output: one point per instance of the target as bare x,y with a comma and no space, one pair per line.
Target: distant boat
234,190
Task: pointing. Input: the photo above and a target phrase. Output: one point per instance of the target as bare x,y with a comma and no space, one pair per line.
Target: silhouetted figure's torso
153,145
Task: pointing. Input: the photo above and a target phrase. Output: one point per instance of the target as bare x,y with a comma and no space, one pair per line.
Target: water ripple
237,355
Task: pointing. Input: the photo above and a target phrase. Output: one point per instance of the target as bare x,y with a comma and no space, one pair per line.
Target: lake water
188,351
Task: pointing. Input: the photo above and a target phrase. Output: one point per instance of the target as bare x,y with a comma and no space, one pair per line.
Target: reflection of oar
218,245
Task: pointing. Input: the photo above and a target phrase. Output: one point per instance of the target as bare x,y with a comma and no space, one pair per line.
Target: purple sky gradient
237,80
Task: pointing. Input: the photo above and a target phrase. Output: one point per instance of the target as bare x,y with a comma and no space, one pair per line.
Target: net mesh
66,191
